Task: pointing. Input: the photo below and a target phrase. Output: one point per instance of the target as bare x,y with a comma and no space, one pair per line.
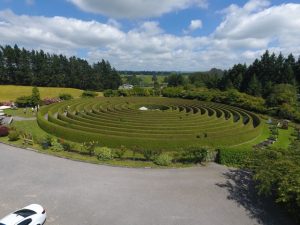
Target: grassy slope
283,141
11,92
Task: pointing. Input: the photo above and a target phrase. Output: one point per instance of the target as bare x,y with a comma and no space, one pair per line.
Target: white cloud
135,8
194,25
244,33
57,31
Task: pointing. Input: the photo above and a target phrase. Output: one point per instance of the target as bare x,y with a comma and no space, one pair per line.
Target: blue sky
181,35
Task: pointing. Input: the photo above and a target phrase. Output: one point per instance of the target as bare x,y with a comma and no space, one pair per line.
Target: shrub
56,146
233,157
23,101
6,103
195,154
104,154
4,131
111,93
119,152
89,94
35,97
13,135
46,142
150,154
163,159
65,96
49,101
276,172
89,147
67,146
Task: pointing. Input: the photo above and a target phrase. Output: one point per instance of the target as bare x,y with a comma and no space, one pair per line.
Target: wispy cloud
242,35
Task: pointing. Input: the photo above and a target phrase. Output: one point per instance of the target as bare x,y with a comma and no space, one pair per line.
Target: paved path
18,118
76,193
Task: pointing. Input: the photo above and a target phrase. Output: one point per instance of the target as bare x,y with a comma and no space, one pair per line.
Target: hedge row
118,121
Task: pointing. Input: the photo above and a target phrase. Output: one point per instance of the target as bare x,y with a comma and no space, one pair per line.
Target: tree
282,94
35,97
22,67
175,80
277,173
154,78
133,80
254,87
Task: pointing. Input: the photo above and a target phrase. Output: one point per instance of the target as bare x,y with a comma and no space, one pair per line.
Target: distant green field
11,92
146,79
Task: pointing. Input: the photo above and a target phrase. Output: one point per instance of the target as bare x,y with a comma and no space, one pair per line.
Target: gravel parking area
76,193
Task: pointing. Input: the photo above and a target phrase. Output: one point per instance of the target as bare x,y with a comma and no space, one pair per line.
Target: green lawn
20,112
284,139
33,128
12,92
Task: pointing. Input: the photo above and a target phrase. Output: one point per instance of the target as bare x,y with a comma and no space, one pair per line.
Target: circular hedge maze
150,123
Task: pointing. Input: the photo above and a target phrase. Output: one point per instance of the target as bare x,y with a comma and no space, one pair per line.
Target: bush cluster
13,135
89,94
104,154
49,101
65,96
233,157
136,91
4,131
231,97
163,159
277,173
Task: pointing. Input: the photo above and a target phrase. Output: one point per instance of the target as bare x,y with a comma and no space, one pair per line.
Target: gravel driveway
76,193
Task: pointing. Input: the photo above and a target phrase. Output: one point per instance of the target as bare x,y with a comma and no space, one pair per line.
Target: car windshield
25,212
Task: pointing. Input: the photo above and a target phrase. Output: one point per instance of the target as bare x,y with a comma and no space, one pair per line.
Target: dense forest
268,85
257,79
23,67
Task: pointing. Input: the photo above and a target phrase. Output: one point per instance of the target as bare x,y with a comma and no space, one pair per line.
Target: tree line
37,68
259,78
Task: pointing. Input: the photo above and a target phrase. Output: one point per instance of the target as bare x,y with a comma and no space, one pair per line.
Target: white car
33,214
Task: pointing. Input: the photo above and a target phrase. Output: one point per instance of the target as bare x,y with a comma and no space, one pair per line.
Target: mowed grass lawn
20,112
12,92
284,139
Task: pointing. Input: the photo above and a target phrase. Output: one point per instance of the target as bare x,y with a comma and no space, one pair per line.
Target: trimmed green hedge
118,121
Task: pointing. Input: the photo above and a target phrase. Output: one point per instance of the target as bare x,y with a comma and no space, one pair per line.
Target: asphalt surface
76,193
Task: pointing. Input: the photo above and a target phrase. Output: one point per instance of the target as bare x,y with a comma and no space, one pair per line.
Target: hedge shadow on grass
241,189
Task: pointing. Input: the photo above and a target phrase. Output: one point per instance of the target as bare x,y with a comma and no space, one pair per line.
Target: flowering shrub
3,131
6,103
89,147
163,159
104,154
49,101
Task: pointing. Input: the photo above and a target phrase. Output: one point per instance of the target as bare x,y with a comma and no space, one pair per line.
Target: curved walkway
81,193
19,118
